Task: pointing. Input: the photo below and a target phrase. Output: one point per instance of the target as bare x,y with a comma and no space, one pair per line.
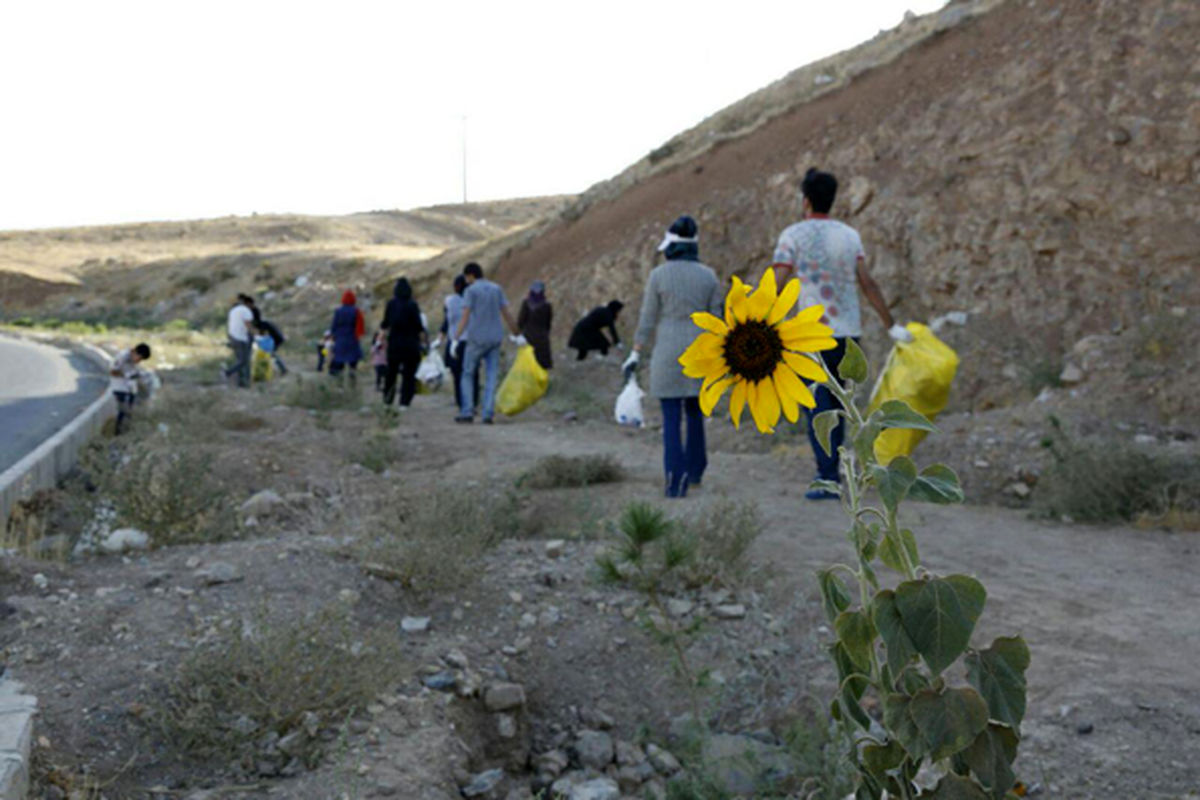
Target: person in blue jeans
677,288
485,312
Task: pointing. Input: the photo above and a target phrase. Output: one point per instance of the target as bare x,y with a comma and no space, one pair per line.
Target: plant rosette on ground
905,650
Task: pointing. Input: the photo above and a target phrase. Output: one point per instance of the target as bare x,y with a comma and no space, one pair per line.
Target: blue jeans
489,356
683,465
828,465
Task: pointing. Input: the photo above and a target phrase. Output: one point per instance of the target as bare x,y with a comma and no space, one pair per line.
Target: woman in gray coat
675,290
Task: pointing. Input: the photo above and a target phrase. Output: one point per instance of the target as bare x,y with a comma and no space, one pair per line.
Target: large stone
662,760
551,763
484,785
261,504
218,572
1071,375
594,749
595,789
414,624
125,539
730,611
503,696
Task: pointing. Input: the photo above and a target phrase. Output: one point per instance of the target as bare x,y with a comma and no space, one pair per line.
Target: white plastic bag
432,370
628,410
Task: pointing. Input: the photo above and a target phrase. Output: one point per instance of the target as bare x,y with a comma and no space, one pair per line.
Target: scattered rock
595,789
456,659
729,611
484,784
414,624
595,718
261,504
594,749
679,606
555,548
125,539
1084,728
443,681
860,192
552,763
506,726
503,696
1071,375
662,760
218,572
1119,136
1019,489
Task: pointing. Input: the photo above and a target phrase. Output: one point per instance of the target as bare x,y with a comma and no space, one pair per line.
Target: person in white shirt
123,380
240,324
827,256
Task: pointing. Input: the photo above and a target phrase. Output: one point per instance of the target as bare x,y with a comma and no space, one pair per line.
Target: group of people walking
825,254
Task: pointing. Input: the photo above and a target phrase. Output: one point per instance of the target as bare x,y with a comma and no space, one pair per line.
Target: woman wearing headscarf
676,289
534,320
347,328
405,330
589,335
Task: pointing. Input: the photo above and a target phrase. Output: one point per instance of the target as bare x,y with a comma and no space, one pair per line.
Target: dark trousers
683,464
380,373
405,363
454,362
583,352
125,402
241,362
828,465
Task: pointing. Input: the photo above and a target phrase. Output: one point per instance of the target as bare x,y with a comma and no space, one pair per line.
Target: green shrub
558,472
198,283
267,678
376,452
323,394
1107,480
722,534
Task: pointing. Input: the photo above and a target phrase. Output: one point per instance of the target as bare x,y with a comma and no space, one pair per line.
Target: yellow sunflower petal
735,303
805,367
706,368
706,345
737,403
710,323
712,392
792,392
759,304
807,316
804,344
783,304
764,406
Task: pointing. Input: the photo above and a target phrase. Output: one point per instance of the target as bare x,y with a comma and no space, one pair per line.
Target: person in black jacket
406,339
589,332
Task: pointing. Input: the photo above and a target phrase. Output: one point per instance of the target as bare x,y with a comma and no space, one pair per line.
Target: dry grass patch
561,472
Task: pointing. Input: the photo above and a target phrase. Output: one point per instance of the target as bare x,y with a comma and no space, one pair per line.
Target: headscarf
460,284
403,290
537,294
614,306
681,241
348,298
360,324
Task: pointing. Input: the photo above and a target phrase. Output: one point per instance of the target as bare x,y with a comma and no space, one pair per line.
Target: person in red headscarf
347,328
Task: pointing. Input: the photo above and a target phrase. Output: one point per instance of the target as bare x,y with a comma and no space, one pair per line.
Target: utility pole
464,158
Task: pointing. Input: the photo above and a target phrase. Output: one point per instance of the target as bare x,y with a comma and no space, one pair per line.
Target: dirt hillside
1035,166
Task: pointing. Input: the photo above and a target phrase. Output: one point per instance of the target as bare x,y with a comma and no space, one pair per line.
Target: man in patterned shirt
827,256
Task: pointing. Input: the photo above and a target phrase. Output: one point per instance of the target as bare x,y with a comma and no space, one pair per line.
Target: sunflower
758,354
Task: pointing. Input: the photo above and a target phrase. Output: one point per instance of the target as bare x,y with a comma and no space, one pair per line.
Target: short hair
143,350
474,270
460,283
820,188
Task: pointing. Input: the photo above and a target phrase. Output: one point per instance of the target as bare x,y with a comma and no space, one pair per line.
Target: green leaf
889,549
900,723
999,674
894,480
835,596
898,414
857,635
990,757
823,425
939,615
954,787
853,685
829,486
937,484
948,720
879,758
900,649
853,366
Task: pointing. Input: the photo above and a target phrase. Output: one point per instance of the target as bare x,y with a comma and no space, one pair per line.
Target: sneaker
820,494
464,420
489,421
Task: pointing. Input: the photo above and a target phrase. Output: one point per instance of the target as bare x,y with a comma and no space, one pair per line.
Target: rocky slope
1035,164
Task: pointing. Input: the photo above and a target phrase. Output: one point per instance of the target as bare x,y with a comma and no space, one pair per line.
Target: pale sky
119,111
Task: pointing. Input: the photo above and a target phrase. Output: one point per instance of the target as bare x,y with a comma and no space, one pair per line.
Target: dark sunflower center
752,350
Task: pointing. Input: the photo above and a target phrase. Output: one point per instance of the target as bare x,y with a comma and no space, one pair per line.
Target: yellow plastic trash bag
261,368
919,373
524,384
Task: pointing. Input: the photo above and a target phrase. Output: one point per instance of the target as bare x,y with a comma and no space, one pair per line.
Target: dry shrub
173,494
257,680
1107,480
323,394
561,472
376,452
722,534
432,543
241,422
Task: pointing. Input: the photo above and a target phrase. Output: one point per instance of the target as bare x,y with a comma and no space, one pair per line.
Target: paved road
42,388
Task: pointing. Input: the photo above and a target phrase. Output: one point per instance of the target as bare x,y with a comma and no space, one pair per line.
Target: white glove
631,362
900,334
518,340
